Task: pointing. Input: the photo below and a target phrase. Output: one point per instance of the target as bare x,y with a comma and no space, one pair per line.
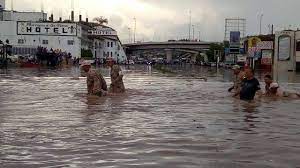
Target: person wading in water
96,85
249,86
117,84
239,76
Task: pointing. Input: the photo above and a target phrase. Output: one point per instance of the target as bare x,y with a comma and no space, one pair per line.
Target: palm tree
101,20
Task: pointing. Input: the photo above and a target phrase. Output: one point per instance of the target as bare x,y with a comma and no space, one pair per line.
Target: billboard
235,37
241,58
284,48
266,57
48,29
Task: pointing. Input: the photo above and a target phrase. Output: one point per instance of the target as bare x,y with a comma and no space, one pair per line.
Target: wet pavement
164,120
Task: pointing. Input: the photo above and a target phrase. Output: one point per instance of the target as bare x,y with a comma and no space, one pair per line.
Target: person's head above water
268,80
236,69
249,73
274,87
85,66
111,63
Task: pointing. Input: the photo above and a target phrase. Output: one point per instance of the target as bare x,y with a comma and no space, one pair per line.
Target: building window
21,41
70,42
45,42
112,44
298,45
111,54
107,44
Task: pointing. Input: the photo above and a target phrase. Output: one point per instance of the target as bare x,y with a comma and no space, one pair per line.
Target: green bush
86,53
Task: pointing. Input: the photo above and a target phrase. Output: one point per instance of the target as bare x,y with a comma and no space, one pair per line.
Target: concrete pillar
72,16
169,55
194,58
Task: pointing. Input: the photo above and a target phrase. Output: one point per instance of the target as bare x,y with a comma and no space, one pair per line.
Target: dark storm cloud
169,19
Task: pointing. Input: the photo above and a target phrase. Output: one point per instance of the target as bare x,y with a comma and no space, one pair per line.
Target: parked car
213,64
12,58
130,62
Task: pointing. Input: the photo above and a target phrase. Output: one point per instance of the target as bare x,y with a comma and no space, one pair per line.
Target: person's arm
104,85
90,84
259,92
118,79
230,89
237,93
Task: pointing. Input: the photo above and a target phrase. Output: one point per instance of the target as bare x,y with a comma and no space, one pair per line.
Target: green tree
86,53
211,52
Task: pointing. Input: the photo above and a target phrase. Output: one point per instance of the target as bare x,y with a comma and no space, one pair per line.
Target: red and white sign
266,58
265,45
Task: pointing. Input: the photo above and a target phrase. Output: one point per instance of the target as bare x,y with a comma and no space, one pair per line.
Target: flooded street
46,120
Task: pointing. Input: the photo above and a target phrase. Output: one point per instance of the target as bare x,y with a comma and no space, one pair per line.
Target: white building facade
26,35
26,31
107,44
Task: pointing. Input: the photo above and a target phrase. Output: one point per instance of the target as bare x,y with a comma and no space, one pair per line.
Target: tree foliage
211,52
101,20
86,53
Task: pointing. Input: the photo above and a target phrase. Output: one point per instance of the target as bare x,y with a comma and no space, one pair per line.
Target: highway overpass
194,48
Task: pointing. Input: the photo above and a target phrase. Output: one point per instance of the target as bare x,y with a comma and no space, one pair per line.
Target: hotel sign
47,29
102,32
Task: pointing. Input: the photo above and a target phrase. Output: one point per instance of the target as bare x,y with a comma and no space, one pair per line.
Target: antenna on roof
72,5
12,4
42,6
60,15
72,10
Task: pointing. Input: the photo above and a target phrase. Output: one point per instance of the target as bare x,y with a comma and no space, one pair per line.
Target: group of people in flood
96,84
53,57
247,87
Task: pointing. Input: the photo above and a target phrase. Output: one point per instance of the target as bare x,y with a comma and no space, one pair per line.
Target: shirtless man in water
239,76
117,84
273,89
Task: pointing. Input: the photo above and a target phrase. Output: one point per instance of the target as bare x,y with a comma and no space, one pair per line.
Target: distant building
2,5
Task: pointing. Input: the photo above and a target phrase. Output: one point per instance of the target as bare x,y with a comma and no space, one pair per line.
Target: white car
131,62
12,58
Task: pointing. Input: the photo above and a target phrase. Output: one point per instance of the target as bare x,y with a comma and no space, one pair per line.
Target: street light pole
134,30
260,23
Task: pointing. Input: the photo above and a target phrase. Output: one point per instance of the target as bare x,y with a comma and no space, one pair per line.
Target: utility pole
129,32
190,12
193,32
134,30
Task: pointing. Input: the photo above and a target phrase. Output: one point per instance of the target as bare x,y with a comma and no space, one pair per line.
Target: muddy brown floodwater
164,120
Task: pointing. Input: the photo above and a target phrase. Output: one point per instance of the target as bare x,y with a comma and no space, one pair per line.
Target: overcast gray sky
159,20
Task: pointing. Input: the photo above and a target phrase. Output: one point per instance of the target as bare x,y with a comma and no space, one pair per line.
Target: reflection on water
46,120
